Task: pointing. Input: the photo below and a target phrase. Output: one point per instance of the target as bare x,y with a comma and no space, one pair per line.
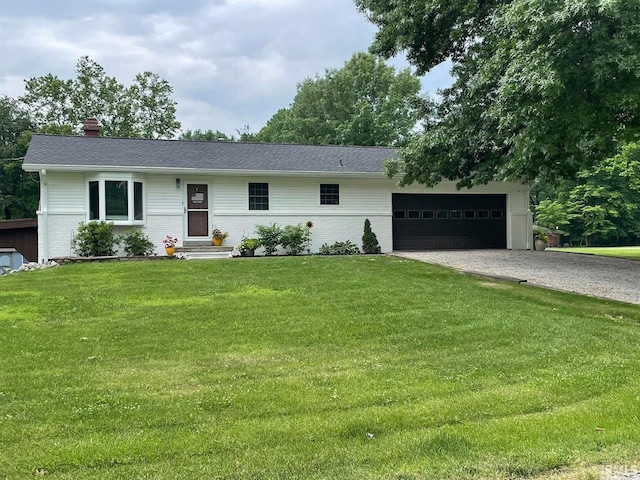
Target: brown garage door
449,221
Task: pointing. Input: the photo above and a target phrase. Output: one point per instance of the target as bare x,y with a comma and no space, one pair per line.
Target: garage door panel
449,221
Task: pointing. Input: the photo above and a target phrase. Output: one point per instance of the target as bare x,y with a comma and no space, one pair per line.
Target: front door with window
197,210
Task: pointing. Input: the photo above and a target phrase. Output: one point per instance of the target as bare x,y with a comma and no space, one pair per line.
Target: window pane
456,214
138,214
469,214
329,194
94,201
399,214
483,214
258,196
413,214
116,200
442,214
428,214
496,214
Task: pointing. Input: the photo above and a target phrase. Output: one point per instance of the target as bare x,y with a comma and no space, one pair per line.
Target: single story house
186,188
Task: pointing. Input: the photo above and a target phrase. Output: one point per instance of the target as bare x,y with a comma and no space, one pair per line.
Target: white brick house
183,189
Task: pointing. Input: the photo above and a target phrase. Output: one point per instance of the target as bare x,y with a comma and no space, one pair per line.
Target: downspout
527,199
43,218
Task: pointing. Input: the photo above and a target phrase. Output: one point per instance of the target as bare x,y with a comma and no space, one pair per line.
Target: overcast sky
230,62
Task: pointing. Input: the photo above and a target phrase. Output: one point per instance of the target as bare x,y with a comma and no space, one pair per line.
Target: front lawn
622,252
309,367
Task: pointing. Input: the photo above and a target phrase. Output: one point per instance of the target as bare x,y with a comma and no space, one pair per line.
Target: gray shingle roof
128,153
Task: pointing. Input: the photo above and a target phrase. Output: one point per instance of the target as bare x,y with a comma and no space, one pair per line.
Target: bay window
116,199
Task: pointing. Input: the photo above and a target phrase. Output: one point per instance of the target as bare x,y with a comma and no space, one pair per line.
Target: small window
442,214
399,214
413,214
428,214
496,214
329,194
469,214
483,214
94,200
138,208
258,196
456,214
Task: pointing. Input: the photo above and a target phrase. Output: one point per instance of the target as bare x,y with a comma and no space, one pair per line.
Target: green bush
137,243
369,239
95,239
293,239
339,248
269,237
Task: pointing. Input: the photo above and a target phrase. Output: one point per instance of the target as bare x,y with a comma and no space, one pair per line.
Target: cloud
230,62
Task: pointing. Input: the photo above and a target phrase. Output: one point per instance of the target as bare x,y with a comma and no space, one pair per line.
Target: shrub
293,239
248,244
269,237
340,248
137,243
95,239
369,239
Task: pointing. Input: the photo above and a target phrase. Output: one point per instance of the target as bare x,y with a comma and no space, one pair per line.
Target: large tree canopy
18,189
143,109
603,204
541,87
363,103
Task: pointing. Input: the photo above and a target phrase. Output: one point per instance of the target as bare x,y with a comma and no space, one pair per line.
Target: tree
363,103
603,206
206,136
144,109
541,87
18,189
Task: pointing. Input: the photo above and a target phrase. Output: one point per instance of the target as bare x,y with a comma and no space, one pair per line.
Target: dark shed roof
78,151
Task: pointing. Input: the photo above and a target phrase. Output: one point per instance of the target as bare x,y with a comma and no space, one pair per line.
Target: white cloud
231,62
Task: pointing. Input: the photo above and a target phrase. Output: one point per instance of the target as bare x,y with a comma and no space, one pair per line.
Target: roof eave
33,167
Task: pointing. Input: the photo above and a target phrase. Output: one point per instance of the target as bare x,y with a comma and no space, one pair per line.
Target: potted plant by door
170,245
218,236
540,239
247,247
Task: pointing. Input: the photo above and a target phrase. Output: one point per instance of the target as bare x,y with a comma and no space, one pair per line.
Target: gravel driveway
605,277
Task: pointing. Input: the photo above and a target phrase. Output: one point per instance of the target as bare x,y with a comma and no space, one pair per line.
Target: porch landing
203,250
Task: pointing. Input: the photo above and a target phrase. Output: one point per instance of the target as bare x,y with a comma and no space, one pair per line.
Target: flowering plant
217,233
170,241
248,244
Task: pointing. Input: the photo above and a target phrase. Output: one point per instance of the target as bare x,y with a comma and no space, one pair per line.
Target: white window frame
329,205
268,197
130,179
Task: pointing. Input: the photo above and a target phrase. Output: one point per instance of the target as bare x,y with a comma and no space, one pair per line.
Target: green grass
622,252
309,367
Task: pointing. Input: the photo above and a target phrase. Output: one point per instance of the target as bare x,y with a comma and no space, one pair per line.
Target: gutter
200,171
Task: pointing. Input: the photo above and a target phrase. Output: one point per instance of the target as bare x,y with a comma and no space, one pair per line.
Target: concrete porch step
203,250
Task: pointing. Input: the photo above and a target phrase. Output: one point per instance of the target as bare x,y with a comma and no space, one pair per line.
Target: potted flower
541,239
247,247
170,245
218,236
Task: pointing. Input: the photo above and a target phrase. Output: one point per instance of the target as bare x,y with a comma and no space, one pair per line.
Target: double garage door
449,221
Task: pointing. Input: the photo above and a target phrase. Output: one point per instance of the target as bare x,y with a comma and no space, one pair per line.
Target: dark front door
197,210
449,221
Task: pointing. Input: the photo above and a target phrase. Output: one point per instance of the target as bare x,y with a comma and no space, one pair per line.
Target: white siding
293,200
66,193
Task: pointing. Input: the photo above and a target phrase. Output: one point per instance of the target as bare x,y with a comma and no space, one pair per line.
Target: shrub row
96,239
292,238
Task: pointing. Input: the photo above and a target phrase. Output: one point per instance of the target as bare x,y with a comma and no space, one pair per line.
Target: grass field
309,367
622,252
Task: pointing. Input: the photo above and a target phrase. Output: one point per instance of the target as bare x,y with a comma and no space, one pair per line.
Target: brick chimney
91,127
